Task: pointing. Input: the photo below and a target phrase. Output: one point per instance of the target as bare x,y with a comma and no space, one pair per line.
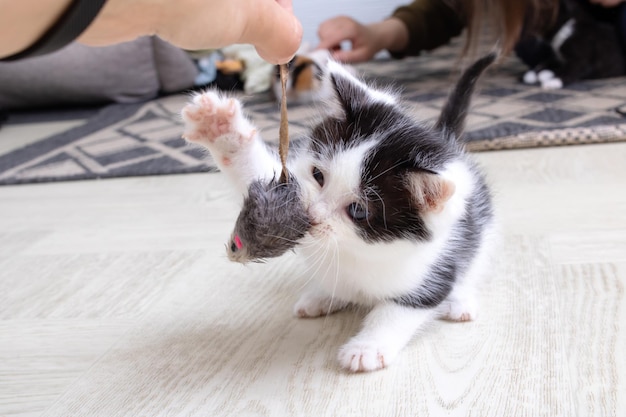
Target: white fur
552,84
315,303
562,35
530,77
549,80
545,75
385,331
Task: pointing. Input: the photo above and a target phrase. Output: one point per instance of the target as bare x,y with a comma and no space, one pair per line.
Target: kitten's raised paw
217,122
365,356
315,304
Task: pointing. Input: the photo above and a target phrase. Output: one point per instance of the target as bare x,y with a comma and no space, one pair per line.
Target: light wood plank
116,299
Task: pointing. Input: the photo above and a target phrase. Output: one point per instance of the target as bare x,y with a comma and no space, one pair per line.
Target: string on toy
283,131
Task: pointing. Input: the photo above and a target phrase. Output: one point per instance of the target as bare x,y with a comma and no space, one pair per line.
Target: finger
331,44
286,4
274,31
351,56
333,39
332,49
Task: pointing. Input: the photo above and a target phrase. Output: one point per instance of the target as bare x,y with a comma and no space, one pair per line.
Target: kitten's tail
452,119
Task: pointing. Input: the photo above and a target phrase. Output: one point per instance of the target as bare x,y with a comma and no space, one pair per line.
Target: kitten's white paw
549,80
315,304
460,312
465,309
218,123
545,75
365,355
530,77
552,84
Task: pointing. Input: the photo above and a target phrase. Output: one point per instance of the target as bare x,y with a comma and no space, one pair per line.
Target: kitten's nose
318,212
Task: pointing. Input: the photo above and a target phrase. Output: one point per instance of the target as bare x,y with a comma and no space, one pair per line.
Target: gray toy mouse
271,221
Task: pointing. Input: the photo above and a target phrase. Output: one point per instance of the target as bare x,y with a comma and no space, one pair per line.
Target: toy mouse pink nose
235,244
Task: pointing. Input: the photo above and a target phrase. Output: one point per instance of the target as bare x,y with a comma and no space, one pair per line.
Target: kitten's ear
352,93
430,191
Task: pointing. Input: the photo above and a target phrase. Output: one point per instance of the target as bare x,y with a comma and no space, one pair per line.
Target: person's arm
366,40
24,22
189,24
430,24
607,3
421,25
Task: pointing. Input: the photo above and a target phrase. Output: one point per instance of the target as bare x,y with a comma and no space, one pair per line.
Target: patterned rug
144,139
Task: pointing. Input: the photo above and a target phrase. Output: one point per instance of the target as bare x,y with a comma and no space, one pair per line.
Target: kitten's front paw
465,309
315,304
460,313
549,80
365,355
530,77
217,122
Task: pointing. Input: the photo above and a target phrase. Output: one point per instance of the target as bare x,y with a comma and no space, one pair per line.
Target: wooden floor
116,299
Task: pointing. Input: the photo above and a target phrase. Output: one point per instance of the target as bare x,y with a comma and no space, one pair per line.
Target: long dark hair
507,18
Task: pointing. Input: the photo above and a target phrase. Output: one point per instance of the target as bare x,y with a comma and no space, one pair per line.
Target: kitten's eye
358,211
319,177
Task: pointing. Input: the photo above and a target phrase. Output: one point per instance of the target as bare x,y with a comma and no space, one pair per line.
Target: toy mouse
271,221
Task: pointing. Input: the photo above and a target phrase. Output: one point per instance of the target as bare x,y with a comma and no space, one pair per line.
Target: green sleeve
431,23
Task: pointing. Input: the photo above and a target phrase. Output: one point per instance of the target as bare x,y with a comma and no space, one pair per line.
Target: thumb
350,55
274,31
329,43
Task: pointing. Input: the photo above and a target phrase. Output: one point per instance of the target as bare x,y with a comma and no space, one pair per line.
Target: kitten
583,43
401,218
307,82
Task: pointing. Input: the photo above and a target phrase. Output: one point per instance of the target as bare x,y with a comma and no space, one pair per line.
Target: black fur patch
340,133
394,213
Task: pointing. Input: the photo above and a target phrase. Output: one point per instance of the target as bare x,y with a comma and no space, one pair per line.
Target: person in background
428,24
269,25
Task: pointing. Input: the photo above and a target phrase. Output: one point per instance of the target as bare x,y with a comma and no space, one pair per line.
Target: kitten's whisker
387,170
316,263
336,263
373,190
283,238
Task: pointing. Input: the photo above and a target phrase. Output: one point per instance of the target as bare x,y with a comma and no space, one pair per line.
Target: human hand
334,31
366,40
607,3
269,25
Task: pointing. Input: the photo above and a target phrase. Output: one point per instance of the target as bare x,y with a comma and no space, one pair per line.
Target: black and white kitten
401,218
583,43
